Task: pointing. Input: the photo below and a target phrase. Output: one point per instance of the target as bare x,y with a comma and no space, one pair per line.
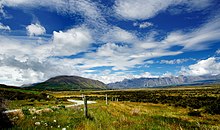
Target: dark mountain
7,86
69,83
165,81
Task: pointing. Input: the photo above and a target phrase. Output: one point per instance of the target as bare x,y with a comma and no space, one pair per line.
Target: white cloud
143,24
15,76
154,54
117,34
32,62
2,10
197,5
118,76
31,70
121,57
210,66
15,47
35,29
71,41
167,74
63,43
140,9
197,39
175,61
3,27
217,51
112,55
144,9
109,78
145,75
87,8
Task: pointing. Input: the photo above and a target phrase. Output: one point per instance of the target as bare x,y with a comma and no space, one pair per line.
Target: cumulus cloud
4,27
115,48
71,41
35,29
16,76
32,70
167,74
27,58
145,75
108,77
210,66
144,9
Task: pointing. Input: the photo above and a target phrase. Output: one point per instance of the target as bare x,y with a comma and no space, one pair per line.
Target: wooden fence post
85,107
82,97
106,98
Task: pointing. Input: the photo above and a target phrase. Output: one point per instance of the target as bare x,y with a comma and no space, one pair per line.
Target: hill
166,81
7,86
18,93
69,83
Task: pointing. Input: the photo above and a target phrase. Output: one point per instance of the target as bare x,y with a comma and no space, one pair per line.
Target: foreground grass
121,115
127,115
137,109
16,104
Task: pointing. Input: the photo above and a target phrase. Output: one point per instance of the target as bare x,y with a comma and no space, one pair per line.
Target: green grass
135,116
121,116
16,104
19,90
62,118
139,114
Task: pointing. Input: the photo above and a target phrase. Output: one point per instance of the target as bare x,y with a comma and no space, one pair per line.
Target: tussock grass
124,115
118,115
121,116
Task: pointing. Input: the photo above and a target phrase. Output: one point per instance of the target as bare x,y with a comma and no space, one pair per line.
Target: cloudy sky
107,40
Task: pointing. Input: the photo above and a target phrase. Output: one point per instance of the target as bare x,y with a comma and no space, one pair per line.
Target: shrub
213,108
194,113
5,121
26,111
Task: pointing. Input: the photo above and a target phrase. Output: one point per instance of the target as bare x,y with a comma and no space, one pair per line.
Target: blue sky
108,40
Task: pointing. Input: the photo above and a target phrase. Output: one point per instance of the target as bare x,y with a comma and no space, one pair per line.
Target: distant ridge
166,81
8,86
65,82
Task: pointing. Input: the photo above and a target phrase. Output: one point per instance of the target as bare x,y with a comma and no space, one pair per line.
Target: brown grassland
166,109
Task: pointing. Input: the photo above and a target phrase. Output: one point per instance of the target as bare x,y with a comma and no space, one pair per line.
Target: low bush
194,113
213,108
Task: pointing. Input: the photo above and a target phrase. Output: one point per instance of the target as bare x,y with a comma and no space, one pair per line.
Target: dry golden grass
121,115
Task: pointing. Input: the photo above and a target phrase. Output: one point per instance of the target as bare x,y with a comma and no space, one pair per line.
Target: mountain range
165,81
79,83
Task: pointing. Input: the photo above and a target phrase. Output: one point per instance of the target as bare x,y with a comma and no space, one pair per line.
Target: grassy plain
121,115
153,109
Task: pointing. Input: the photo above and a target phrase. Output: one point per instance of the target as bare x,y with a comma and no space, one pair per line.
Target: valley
188,107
